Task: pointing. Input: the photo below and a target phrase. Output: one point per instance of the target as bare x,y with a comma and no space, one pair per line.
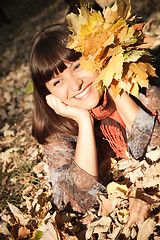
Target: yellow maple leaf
114,51
93,19
115,88
141,82
121,9
113,186
134,89
111,72
87,65
122,34
139,71
130,34
126,86
148,68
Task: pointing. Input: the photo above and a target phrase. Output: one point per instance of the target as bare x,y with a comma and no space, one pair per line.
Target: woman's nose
75,83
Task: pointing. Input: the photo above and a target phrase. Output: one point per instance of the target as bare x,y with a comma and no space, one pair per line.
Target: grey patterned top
74,186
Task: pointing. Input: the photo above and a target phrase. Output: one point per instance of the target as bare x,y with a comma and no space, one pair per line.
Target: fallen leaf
138,210
113,186
99,226
154,155
108,205
23,232
50,230
146,229
21,217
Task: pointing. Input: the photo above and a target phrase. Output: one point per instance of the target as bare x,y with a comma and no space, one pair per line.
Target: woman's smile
85,93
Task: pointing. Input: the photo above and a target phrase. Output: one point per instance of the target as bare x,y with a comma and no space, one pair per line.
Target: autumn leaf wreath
113,43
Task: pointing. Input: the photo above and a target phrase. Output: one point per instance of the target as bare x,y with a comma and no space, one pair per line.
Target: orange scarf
112,126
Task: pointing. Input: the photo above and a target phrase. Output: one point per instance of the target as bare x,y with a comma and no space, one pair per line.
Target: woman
69,113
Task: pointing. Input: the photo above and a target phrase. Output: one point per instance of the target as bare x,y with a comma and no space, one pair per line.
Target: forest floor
25,191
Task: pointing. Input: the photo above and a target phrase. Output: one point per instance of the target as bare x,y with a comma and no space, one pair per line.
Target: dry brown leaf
27,189
50,230
138,211
115,233
65,236
87,219
38,168
146,229
152,176
23,232
154,155
7,158
26,179
99,226
4,230
108,205
22,218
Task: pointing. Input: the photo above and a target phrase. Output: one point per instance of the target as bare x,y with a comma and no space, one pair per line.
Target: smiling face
74,87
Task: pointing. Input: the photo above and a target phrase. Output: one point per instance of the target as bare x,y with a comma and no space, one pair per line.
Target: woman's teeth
81,95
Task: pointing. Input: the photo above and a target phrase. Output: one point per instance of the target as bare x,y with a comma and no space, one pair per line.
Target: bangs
51,61
50,54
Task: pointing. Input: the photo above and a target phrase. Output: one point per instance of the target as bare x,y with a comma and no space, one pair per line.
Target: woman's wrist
85,120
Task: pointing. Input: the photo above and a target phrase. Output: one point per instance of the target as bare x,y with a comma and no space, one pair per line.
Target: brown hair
47,57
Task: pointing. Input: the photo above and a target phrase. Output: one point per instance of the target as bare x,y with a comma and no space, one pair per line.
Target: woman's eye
76,66
56,82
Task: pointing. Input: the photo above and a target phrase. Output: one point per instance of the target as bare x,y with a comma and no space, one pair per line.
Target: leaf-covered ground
26,192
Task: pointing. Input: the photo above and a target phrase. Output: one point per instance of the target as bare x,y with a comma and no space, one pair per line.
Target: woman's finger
55,103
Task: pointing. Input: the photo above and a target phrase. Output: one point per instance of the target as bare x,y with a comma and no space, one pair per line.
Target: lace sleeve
145,131
71,184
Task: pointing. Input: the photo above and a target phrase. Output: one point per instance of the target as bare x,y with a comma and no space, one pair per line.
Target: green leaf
133,56
127,54
29,87
39,235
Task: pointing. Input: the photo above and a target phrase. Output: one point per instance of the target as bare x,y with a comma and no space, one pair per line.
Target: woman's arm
142,127
86,154
70,183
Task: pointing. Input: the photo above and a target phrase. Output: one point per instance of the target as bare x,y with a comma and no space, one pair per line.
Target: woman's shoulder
59,139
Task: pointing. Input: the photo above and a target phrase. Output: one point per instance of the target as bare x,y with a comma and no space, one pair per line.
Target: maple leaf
113,186
115,88
134,90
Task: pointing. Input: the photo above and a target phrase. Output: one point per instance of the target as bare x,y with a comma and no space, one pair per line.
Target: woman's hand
77,114
126,107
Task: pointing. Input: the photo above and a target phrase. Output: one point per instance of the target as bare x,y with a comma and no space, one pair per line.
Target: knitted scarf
112,126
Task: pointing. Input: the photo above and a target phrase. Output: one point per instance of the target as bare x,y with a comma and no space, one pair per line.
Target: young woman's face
74,87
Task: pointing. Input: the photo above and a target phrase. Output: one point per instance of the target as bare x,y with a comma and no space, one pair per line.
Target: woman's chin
92,102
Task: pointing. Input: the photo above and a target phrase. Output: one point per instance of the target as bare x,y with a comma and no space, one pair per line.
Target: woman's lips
84,93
